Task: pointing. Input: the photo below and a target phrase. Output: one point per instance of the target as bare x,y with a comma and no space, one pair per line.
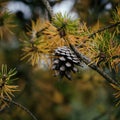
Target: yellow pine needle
6,89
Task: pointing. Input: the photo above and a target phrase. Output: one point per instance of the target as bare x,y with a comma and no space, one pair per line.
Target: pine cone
64,62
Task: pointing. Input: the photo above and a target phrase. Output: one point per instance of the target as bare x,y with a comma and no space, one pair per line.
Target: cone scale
65,62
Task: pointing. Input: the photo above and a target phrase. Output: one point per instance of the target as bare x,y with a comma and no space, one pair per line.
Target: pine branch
87,61
20,106
104,28
48,7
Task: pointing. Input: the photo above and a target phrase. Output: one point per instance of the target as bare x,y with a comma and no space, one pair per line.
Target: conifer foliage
62,43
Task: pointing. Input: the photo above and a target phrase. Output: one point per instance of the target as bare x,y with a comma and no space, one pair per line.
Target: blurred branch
20,106
100,116
48,7
108,112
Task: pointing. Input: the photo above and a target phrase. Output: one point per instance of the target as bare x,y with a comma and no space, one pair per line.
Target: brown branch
20,106
93,66
48,7
104,28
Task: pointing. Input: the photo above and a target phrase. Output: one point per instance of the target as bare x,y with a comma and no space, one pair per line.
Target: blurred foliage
88,97
92,10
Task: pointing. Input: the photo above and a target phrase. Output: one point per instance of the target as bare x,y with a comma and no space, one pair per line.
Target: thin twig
104,28
93,66
48,7
20,106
